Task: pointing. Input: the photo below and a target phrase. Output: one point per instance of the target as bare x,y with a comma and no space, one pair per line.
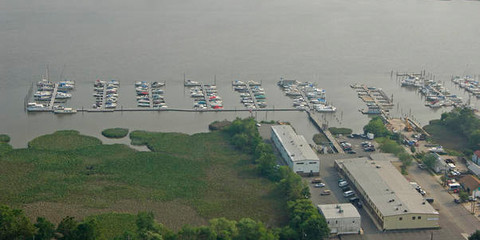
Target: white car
319,185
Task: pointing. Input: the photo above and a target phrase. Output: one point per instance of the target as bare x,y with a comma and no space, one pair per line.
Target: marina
251,93
376,99
49,96
434,92
306,95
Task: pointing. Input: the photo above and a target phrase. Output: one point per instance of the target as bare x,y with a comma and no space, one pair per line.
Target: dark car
354,200
359,204
351,152
369,149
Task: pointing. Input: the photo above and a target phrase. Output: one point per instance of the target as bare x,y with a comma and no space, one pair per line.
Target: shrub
115,132
4,138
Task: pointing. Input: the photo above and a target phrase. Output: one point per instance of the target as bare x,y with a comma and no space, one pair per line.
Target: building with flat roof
295,150
342,218
390,198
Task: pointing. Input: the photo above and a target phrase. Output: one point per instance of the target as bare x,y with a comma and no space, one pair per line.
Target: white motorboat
36,107
64,110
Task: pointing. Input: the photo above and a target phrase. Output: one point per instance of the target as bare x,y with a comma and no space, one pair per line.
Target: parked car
354,199
316,180
325,192
319,185
348,193
343,184
351,151
421,166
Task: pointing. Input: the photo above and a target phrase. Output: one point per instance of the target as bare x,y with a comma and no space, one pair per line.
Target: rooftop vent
377,166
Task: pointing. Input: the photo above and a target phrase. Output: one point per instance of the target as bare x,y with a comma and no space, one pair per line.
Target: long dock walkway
190,110
104,96
327,133
207,101
150,97
254,99
54,96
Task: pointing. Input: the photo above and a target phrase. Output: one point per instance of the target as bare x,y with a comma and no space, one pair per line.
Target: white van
348,193
342,183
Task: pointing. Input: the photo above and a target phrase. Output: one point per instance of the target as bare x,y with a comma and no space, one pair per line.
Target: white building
295,150
342,218
392,201
440,164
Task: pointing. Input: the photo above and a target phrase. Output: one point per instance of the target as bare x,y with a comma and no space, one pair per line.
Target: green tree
87,230
475,235
205,233
14,224
223,228
429,160
307,221
249,229
67,228
463,196
45,229
376,127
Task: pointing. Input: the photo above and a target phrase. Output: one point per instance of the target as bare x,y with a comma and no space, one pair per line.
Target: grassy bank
115,132
187,179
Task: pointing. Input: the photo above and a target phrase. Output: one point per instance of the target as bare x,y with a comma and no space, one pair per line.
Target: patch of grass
4,148
202,172
320,139
111,225
446,137
63,141
343,131
115,132
4,138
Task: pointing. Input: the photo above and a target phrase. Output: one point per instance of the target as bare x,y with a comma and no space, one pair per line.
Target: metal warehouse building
342,218
295,150
391,199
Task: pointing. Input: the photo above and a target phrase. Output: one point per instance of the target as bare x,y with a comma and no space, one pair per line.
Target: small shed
342,218
476,157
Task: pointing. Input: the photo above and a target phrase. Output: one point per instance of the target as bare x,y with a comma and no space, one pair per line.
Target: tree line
305,221
463,121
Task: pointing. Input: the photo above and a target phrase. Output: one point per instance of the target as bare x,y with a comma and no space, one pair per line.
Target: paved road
450,212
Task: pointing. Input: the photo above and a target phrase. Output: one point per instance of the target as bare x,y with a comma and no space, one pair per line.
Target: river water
332,43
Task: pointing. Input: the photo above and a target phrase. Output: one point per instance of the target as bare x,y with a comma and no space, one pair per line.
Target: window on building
400,218
413,218
299,162
336,222
328,222
313,162
419,217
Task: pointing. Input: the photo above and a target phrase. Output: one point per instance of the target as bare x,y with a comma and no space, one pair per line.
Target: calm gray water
333,43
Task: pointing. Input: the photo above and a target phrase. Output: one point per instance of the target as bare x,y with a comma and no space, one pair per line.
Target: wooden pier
336,147
254,99
104,96
205,96
150,95
188,110
54,95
